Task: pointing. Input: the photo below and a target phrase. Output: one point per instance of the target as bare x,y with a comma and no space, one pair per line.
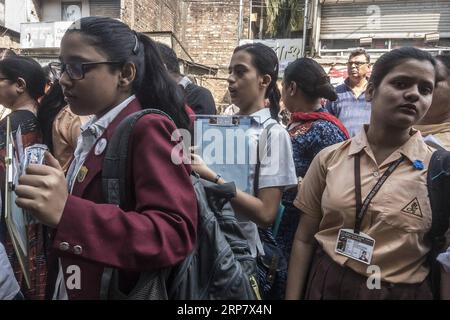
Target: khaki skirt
330,281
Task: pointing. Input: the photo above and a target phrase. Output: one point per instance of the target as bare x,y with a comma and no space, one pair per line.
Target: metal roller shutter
105,8
397,19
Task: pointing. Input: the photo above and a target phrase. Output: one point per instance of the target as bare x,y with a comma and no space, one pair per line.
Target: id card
358,247
34,154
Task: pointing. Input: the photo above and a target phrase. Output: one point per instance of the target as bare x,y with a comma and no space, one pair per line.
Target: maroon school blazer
159,232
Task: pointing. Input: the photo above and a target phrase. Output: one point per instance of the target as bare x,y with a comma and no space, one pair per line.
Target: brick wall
210,35
210,30
151,15
8,41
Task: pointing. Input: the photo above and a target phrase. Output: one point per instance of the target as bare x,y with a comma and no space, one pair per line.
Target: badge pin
418,165
82,174
100,146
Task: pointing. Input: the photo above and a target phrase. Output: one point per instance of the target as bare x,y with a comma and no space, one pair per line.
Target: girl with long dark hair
110,71
253,72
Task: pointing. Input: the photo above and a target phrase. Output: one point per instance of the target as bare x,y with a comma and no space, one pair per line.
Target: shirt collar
261,116
413,149
184,82
103,122
347,84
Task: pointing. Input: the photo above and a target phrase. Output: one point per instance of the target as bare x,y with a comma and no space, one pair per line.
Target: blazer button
64,246
77,249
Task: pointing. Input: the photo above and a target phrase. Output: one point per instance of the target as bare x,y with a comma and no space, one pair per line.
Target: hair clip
136,46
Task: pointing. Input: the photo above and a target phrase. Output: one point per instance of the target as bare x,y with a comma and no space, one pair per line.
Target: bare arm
263,209
301,255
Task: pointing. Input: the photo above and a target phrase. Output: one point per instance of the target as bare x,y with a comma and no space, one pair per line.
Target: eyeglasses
75,70
358,64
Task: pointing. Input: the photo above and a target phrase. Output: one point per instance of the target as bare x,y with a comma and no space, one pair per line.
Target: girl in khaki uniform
364,202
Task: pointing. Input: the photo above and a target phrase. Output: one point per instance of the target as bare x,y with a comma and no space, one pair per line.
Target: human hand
42,191
199,166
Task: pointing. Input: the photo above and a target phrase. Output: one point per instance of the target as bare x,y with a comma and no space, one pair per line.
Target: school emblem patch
413,208
82,174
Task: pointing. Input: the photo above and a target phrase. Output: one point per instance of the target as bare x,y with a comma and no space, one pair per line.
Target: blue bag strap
279,217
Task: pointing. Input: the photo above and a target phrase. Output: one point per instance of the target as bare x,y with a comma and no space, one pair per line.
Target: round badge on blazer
100,146
64,246
77,249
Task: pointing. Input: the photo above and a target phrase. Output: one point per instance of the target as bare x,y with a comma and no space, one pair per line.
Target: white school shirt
278,170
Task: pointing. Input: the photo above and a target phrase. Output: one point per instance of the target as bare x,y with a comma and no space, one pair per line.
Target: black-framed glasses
75,70
358,64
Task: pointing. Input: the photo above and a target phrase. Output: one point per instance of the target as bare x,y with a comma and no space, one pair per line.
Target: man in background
351,106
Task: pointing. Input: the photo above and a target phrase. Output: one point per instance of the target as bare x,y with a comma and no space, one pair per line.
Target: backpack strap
273,261
438,181
266,131
115,184
115,181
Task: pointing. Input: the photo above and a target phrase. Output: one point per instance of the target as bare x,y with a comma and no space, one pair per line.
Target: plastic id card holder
358,247
223,142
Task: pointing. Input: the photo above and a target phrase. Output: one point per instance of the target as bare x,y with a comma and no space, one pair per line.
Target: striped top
353,111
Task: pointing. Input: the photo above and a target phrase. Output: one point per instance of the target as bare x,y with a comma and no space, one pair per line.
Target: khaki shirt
397,218
440,131
65,133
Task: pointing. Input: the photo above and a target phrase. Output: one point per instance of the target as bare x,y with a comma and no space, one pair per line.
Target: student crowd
350,174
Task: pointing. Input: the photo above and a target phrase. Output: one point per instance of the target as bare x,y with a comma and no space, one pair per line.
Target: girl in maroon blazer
108,70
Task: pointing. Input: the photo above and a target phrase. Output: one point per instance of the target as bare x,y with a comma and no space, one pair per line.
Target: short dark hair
445,59
359,52
390,60
15,67
310,78
169,57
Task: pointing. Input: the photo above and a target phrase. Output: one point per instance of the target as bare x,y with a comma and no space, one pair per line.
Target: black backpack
220,266
438,180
